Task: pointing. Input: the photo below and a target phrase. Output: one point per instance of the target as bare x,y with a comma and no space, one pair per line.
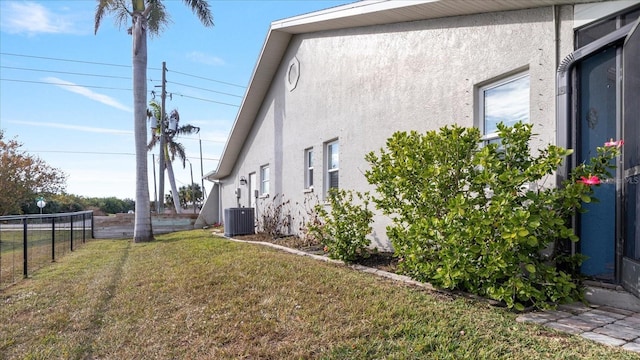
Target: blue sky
86,129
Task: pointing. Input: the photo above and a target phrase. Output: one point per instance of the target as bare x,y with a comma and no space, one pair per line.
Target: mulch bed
380,260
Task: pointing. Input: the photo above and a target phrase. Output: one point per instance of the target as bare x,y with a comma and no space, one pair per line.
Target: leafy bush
344,229
480,218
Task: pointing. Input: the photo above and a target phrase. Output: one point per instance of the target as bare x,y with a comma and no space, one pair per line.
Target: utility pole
193,190
162,140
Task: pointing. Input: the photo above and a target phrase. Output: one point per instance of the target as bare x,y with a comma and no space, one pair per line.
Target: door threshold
605,294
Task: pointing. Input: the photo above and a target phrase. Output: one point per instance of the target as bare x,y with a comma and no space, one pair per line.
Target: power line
204,78
213,141
60,84
112,88
199,88
118,65
201,99
67,60
78,152
66,72
103,153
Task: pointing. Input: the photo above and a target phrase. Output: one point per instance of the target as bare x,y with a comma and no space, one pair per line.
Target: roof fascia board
345,11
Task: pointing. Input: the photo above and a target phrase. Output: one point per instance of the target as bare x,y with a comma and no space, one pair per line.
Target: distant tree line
24,178
61,203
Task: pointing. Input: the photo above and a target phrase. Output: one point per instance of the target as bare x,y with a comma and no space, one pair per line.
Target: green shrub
481,218
343,230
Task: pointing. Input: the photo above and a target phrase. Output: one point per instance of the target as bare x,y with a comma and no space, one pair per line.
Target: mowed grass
38,251
191,295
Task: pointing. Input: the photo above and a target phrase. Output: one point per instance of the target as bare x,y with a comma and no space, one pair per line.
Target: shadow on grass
102,307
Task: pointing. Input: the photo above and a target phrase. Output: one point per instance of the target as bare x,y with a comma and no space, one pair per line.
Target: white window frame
264,180
493,137
328,169
308,168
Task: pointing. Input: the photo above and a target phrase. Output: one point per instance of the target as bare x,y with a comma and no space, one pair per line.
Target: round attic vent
293,73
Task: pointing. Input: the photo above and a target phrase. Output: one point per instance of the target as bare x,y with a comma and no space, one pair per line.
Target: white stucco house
333,85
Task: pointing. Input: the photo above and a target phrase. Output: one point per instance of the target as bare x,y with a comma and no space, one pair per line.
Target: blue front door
597,123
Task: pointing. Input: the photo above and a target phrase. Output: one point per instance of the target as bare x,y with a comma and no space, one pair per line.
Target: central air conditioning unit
238,221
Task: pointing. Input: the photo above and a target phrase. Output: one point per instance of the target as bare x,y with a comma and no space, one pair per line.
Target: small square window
506,101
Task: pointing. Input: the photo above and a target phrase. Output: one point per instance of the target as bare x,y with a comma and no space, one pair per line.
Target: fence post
25,269
83,228
53,239
71,219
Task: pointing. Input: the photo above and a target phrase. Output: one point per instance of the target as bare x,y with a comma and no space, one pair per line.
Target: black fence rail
28,242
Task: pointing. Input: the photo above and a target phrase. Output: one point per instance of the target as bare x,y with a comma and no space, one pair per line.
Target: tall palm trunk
142,231
174,189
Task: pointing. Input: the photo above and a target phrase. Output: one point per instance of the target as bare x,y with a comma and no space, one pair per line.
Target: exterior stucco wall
360,85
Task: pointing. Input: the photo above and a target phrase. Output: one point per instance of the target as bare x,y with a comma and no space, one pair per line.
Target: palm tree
145,15
172,148
190,194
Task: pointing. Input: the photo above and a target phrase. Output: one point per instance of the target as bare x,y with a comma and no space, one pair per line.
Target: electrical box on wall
238,193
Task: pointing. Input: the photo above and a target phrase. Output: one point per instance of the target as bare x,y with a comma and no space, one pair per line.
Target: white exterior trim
584,14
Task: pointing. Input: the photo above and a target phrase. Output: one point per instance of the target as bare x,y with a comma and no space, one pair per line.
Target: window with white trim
264,180
333,164
308,168
506,101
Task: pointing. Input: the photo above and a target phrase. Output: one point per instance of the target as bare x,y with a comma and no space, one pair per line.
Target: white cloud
69,86
73,127
199,57
32,18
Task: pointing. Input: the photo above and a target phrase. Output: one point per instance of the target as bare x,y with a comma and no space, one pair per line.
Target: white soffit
584,14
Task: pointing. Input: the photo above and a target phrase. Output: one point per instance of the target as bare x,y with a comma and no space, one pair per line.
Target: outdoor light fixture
243,180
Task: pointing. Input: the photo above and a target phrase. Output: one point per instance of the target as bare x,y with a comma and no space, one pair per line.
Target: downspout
218,185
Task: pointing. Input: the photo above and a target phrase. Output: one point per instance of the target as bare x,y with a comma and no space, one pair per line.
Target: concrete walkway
603,324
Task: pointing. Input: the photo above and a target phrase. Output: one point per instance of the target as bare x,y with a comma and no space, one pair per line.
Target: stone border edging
385,274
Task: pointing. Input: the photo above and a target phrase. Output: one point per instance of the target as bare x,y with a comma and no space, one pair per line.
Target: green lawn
39,250
193,295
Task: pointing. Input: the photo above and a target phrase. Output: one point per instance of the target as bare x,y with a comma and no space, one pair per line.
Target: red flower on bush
591,180
618,143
